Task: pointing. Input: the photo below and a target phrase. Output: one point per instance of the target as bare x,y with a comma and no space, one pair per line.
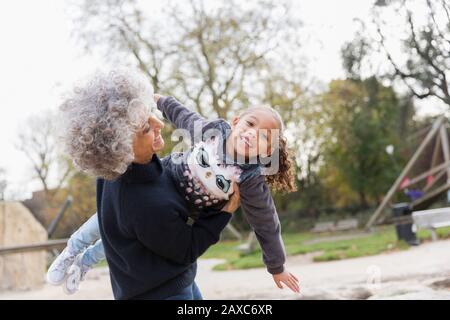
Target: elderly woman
151,250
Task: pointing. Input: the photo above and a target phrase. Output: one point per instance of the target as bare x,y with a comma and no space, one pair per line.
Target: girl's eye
202,158
250,123
223,183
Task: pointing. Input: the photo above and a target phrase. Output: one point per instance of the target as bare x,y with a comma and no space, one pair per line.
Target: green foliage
360,120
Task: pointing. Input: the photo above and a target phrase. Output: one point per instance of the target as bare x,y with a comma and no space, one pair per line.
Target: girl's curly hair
284,178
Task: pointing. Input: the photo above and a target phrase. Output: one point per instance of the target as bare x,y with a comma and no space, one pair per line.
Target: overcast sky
38,57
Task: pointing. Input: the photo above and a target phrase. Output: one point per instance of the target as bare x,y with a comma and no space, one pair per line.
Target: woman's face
148,141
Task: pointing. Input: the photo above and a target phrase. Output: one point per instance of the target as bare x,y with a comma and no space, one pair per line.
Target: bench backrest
347,224
432,218
323,227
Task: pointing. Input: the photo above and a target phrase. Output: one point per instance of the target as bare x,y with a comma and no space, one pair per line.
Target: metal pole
60,243
54,223
234,231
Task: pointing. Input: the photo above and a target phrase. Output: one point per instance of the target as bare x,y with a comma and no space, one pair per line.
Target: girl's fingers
293,277
278,284
290,285
294,286
297,286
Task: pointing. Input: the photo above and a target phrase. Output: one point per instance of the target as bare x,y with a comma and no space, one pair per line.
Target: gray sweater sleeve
183,118
261,214
180,116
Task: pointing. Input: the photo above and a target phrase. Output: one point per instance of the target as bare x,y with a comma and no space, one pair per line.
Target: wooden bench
342,225
432,219
348,224
323,227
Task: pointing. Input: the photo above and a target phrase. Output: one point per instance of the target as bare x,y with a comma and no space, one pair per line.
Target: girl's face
252,133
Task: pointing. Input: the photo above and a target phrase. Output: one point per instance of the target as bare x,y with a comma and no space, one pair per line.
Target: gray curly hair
101,118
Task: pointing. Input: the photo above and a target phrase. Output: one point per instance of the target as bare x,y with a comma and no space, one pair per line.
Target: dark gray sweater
150,249
256,198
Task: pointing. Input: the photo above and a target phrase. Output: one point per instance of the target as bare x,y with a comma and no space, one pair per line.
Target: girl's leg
93,254
78,242
82,264
84,236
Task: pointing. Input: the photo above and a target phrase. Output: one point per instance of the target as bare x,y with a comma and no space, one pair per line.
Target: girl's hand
288,279
156,97
235,200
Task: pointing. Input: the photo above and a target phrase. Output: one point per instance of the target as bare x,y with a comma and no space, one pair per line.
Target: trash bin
404,229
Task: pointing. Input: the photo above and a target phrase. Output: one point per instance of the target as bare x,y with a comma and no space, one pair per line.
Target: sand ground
422,272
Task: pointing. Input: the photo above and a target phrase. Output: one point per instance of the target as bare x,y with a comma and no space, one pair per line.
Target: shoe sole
55,283
69,287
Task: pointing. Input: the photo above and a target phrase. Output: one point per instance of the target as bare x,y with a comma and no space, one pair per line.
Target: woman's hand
288,279
235,200
156,97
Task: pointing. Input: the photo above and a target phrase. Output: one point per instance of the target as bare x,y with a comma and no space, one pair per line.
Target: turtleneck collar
138,173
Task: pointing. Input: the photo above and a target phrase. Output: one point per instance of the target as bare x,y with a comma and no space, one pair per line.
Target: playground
357,91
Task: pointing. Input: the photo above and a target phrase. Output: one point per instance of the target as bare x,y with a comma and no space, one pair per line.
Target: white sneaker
57,270
75,274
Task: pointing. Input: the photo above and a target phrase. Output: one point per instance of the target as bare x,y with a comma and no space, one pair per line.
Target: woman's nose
158,124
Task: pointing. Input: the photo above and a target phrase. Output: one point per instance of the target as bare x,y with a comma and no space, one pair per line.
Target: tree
119,30
360,118
214,57
82,189
37,140
424,41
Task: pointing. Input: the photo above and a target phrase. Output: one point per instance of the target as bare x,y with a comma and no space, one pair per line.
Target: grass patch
101,264
223,250
383,240
242,262
425,235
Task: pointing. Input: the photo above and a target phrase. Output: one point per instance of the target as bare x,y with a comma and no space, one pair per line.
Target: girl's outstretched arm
179,115
262,215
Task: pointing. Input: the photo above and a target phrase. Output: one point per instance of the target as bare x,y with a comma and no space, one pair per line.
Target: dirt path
421,272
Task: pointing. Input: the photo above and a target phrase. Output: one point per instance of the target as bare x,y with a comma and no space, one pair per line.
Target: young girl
251,151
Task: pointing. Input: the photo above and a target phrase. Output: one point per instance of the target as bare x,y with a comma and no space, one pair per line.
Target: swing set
433,184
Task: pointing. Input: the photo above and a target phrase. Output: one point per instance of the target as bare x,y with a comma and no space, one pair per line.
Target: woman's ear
234,121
